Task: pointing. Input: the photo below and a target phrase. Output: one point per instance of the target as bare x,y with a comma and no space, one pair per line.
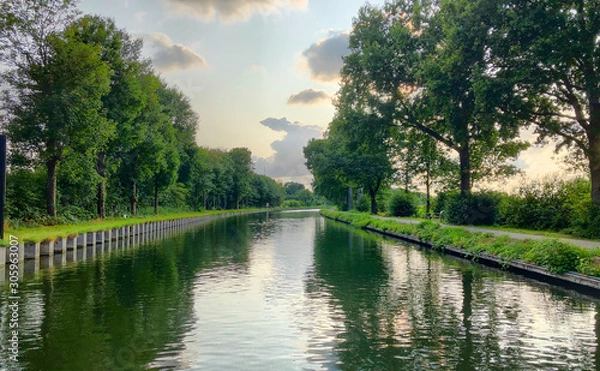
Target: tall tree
429,60
550,51
241,159
124,101
55,104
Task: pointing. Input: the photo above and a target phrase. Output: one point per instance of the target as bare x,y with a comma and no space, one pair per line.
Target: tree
55,104
555,75
292,189
123,102
429,61
241,159
356,153
323,159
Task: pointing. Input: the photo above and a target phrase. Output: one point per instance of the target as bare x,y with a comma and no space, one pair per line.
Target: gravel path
519,236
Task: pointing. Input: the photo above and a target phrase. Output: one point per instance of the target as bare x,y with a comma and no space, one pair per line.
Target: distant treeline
93,131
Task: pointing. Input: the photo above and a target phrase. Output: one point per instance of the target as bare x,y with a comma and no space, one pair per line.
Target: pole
2,182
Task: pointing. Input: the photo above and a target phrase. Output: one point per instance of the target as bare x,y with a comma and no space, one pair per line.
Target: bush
472,209
290,203
587,221
363,205
551,204
440,202
402,204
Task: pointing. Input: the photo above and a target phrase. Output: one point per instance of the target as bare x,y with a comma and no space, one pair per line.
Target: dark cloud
169,56
232,10
324,58
288,160
309,96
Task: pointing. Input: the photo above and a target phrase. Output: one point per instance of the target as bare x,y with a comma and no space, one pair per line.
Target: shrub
587,221
402,204
440,202
472,209
290,203
550,204
363,205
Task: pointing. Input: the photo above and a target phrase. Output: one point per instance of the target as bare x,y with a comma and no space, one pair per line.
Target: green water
293,291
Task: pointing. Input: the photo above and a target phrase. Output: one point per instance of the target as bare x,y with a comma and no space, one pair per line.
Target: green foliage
402,204
288,204
472,209
363,204
558,257
25,194
550,204
587,221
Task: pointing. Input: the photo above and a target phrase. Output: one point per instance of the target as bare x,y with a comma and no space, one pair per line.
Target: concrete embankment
585,284
31,256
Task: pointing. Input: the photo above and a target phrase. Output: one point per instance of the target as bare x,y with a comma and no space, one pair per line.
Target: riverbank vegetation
556,256
49,233
95,132
437,94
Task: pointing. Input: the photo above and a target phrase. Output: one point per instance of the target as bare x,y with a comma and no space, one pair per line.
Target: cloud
233,10
324,58
288,160
169,56
309,96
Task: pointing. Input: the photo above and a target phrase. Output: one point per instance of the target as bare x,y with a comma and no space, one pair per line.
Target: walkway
518,236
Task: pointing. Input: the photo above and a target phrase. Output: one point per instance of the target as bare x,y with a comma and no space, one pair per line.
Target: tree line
94,131
438,91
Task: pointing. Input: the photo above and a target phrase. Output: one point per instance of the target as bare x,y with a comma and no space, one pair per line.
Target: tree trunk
373,195
133,198
52,166
465,169
155,199
594,152
427,191
101,186
350,199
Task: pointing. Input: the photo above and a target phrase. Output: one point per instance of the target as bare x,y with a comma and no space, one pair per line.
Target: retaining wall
33,256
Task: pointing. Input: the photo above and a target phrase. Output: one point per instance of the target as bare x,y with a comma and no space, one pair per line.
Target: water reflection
293,291
407,309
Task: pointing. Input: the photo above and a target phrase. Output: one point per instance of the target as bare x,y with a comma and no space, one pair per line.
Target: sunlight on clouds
233,10
288,161
309,96
323,59
168,56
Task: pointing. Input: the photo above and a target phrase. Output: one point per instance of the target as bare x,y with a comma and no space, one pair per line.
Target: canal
293,291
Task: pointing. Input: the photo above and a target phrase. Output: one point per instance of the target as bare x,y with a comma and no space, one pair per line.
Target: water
293,291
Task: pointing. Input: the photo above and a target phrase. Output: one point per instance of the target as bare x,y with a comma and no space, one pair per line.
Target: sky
261,74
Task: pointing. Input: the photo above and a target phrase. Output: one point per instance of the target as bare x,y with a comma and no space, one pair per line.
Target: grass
510,229
49,233
556,256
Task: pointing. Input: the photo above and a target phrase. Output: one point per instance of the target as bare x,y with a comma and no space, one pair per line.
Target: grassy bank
42,233
556,256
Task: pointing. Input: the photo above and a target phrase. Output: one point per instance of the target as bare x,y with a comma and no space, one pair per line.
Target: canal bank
54,246
548,260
